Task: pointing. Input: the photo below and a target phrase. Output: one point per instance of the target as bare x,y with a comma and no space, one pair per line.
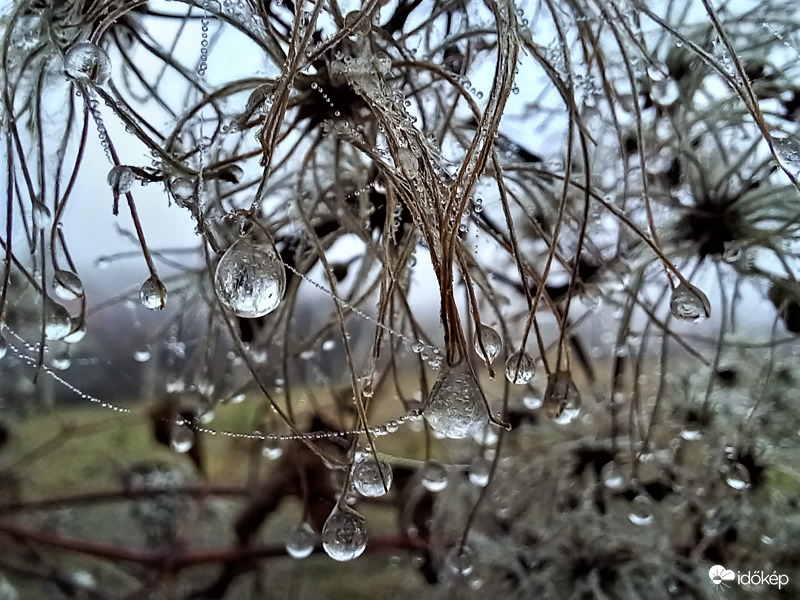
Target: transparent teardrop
520,368
181,438
86,62
57,322
434,476
562,400
456,406
300,541
689,303
153,294
67,285
492,343
344,535
372,478
250,278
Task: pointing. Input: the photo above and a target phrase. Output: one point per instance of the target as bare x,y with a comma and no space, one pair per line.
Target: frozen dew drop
520,367
272,449
640,511
788,150
301,541
480,469
184,190
121,179
41,216
532,402
153,294
612,476
67,285
456,406
689,303
492,343
77,334
57,322
181,438
142,355
361,26
372,478
61,361
250,278
738,477
86,62
562,400
434,476
344,535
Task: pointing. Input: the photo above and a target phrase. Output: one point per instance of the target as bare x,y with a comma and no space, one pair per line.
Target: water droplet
181,438
250,278
121,179
738,477
86,62
479,470
691,434
363,26
3,346
301,541
689,303
344,535
459,562
532,402
153,294
657,72
67,285
434,476
640,511
77,334
613,477
562,400
520,367
788,150
328,345
41,216
184,190
456,406
272,449
57,322
372,479
61,361
142,354
492,343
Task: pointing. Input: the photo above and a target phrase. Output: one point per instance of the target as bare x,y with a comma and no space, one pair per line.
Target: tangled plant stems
571,184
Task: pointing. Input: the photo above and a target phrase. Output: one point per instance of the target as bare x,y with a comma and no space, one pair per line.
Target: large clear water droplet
250,278
181,438
456,406
372,478
86,62
142,355
61,361
41,216
738,477
689,303
153,294
562,400
344,535
77,333
479,471
640,511
520,368
67,285
57,322
121,179
434,476
301,541
492,343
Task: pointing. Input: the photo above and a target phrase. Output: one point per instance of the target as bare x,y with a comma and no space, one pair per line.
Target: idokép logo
720,576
